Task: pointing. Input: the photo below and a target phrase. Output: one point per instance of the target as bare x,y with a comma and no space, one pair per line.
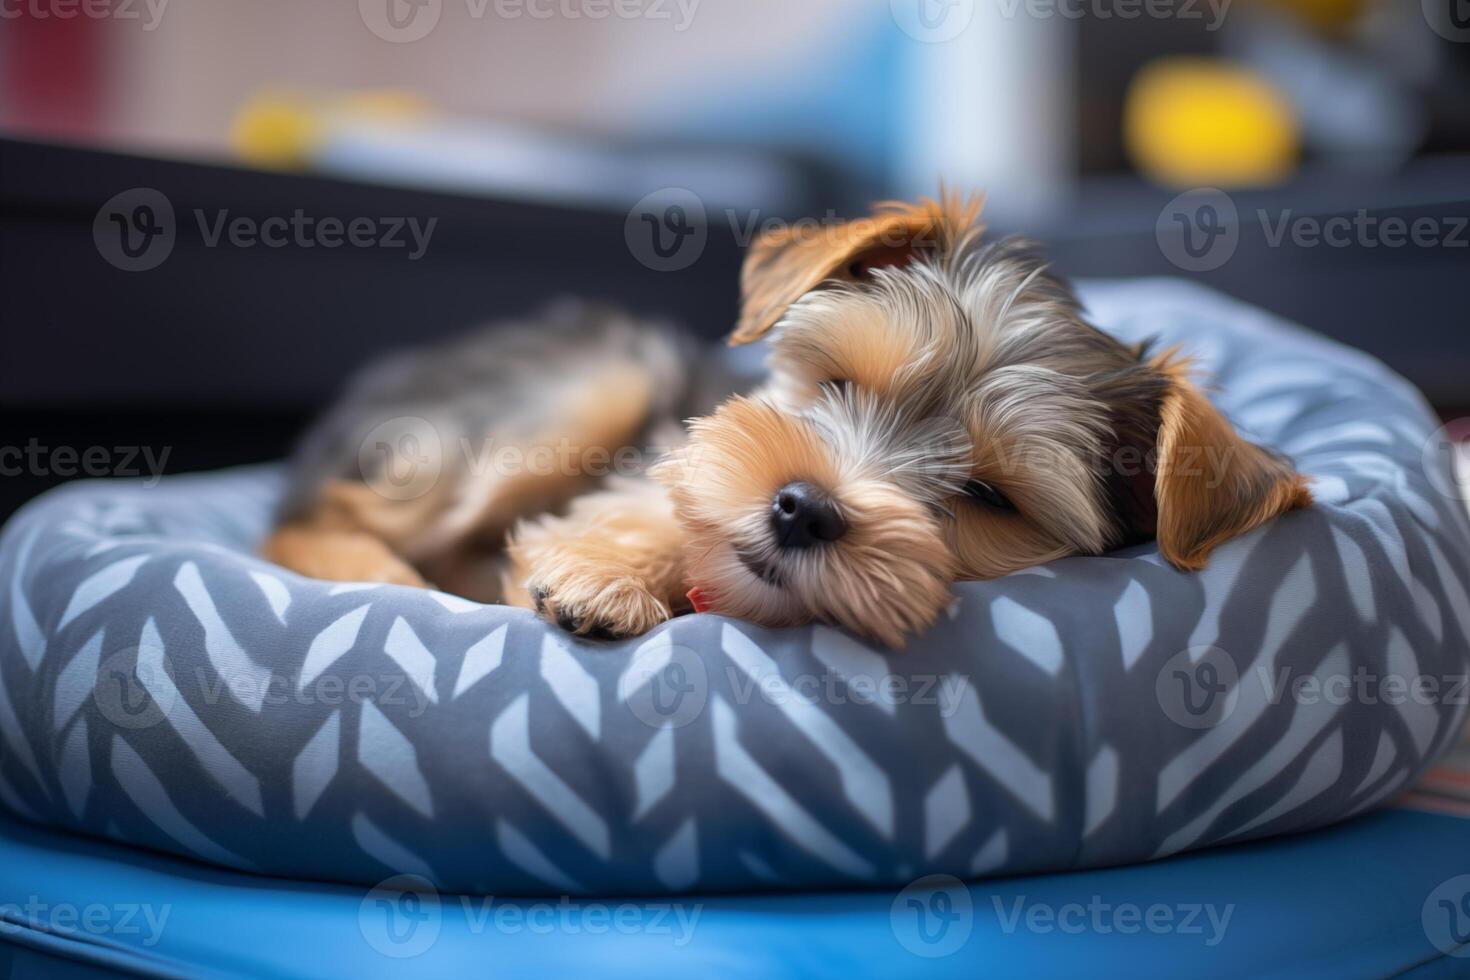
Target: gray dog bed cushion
161,686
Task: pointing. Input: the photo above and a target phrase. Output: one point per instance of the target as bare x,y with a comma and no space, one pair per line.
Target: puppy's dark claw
594,614
573,623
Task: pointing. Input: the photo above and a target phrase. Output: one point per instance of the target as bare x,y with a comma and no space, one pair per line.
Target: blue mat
1363,899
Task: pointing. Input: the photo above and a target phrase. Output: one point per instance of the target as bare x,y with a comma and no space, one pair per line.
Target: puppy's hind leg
611,568
338,556
344,537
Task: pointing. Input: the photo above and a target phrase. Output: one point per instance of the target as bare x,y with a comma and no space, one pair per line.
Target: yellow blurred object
1205,122
276,131
284,130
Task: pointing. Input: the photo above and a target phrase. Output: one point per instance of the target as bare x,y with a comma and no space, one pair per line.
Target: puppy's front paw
601,605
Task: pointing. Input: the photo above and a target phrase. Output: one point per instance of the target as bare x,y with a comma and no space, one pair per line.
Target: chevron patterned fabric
161,686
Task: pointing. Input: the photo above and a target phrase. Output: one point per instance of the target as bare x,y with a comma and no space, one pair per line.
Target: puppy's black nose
804,515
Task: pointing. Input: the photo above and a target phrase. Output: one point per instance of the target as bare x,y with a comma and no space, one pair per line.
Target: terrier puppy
937,409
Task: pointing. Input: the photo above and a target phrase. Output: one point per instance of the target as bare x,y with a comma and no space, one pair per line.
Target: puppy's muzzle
804,515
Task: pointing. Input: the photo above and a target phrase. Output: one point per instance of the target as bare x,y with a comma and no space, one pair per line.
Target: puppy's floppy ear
1211,485
785,264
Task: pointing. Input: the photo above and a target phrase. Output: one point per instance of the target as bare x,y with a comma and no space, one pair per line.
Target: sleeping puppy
937,409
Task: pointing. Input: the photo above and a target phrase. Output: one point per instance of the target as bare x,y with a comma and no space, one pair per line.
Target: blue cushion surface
1356,901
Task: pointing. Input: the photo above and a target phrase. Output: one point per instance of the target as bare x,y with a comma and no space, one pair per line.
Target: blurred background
867,99
629,149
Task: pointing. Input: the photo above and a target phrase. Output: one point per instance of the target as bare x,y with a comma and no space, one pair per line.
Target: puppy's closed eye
988,494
